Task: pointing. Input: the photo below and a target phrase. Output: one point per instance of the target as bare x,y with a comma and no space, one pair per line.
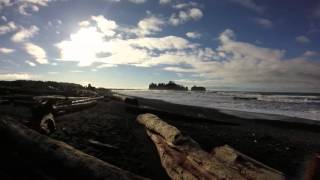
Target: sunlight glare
84,46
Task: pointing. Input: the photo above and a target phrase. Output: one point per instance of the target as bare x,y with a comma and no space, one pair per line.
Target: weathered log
171,134
125,99
64,108
183,158
56,158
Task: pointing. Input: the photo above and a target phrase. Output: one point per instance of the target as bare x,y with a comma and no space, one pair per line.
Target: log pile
183,158
56,159
61,104
45,108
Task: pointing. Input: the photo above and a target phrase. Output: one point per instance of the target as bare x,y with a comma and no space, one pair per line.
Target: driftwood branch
183,158
102,145
57,159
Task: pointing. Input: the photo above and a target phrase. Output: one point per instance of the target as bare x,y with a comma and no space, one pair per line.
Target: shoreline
250,115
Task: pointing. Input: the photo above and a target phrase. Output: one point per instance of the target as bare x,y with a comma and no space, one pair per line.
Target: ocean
301,105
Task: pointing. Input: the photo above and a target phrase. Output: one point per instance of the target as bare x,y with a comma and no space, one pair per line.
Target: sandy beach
277,143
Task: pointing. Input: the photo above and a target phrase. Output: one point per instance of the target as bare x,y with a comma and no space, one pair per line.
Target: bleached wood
183,158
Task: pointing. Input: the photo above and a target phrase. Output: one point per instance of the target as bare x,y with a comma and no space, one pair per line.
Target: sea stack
169,86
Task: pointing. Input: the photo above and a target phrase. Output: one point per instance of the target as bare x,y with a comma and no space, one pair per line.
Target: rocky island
169,86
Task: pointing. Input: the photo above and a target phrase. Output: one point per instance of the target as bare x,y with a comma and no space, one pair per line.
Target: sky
232,44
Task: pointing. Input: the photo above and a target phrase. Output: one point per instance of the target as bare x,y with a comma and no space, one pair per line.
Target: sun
83,46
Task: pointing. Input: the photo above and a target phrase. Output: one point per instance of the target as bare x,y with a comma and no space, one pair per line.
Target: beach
281,144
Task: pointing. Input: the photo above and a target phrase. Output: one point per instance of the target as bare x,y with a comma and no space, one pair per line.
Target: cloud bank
233,62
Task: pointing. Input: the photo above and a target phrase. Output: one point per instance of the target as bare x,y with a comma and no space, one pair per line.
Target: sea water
301,105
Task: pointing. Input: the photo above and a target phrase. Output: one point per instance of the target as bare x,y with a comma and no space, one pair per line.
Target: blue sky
242,44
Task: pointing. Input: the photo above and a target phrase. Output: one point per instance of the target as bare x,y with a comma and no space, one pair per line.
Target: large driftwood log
125,99
57,159
183,158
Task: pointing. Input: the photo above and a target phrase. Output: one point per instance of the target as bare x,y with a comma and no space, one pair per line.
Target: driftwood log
55,158
125,99
183,158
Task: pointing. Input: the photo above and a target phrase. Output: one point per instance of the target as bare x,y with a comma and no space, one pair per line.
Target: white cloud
164,1
185,5
6,50
25,33
266,23
113,1
27,6
138,1
250,4
193,35
115,51
24,8
105,66
36,52
89,45
179,69
149,25
251,64
4,3
4,18
195,13
76,71
36,2
9,27
302,39
106,26
162,43
310,53
32,64
15,76
84,23
185,15
244,64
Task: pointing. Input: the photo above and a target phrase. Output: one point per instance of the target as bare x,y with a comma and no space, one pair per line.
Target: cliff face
198,88
169,86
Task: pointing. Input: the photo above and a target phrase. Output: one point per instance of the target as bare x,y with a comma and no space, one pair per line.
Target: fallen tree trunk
55,158
125,99
183,158
73,107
